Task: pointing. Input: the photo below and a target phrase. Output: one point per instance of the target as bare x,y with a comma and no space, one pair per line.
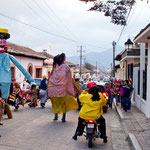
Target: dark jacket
43,85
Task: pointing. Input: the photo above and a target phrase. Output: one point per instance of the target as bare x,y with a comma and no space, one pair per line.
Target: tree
89,67
118,10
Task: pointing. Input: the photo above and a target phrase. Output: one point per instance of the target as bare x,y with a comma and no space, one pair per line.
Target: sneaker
63,120
43,105
55,119
105,139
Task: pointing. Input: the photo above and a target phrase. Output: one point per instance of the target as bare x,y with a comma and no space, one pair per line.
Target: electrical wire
38,14
50,18
48,32
124,26
20,31
132,14
58,18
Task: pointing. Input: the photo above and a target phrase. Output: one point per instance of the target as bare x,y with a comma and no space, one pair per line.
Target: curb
133,141
131,137
119,112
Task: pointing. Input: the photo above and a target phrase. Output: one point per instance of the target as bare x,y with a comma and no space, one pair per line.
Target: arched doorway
30,69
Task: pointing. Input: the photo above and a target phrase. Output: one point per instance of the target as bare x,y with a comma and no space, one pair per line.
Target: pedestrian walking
42,92
126,99
112,93
78,91
121,91
61,88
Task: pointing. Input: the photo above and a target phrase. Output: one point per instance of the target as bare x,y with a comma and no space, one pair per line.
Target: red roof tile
23,51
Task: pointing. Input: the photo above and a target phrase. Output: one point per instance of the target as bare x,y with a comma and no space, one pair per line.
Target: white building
29,59
142,73
85,73
117,72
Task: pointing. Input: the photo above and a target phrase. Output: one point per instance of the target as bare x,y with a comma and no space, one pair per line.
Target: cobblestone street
34,129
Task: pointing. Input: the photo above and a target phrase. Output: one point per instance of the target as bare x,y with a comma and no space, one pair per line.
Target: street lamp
128,45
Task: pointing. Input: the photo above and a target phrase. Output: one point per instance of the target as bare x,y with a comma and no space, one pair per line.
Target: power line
124,26
43,11
61,21
132,13
131,16
13,28
48,32
50,18
58,18
38,28
38,14
138,15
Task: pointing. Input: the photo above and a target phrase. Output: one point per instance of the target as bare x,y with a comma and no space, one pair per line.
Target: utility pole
81,56
114,45
96,68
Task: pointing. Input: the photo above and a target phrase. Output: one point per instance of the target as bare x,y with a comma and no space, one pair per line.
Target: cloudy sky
64,25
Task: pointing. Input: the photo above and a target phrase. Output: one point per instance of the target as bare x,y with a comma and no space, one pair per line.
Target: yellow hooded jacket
91,109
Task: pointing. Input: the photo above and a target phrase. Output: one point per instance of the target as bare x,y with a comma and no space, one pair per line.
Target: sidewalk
136,127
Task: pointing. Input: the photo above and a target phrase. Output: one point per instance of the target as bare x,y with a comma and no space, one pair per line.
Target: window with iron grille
130,71
145,83
138,82
38,73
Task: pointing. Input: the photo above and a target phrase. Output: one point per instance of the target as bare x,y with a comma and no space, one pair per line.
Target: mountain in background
103,59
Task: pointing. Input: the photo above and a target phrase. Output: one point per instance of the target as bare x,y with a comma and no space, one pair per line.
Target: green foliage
89,67
116,9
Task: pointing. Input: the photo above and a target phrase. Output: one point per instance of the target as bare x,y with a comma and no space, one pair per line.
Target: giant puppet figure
5,69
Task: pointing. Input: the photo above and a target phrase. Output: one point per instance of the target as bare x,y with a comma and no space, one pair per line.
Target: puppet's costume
33,93
17,97
5,69
61,90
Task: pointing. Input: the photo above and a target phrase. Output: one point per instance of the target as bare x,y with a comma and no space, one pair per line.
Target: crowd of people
67,94
120,91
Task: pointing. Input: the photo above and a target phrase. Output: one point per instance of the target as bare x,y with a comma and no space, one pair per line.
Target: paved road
34,129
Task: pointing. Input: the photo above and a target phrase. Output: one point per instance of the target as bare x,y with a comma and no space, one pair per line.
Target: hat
90,84
4,34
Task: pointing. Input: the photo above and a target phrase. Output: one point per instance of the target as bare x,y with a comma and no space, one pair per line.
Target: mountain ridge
103,59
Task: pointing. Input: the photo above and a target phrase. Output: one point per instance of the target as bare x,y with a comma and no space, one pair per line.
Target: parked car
106,79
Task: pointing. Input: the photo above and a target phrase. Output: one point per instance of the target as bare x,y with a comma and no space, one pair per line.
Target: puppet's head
4,35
